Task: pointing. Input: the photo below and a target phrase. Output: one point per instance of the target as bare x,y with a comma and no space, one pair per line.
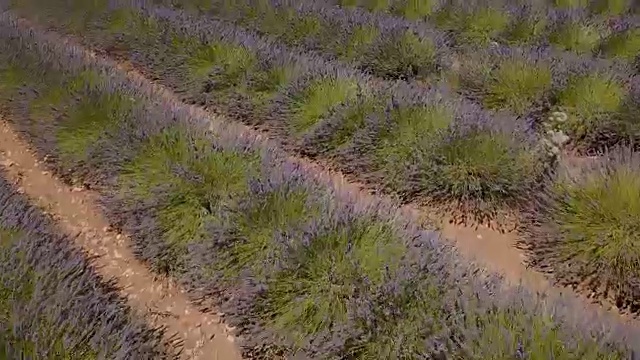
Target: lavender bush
597,122
391,49
508,78
576,28
335,132
623,44
53,304
479,22
591,208
341,278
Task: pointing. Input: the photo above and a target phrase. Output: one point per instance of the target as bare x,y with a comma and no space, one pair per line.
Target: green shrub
418,311
259,224
11,79
224,63
187,205
544,339
299,27
361,39
377,5
414,9
348,3
50,97
316,293
580,38
625,45
481,173
413,131
516,85
526,31
483,25
318,99
610,7
401,56
87,122
448,18
569,4
589,101
587,228
352,119
264,84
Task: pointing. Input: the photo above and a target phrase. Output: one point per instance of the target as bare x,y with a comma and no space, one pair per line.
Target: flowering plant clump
555,138
596,122
592,209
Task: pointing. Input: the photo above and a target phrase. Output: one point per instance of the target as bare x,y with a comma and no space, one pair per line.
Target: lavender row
583,27
320,273
348,33
53,303
420,10
532,82
463,23
400,138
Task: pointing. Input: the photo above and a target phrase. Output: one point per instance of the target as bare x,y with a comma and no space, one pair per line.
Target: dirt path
204,336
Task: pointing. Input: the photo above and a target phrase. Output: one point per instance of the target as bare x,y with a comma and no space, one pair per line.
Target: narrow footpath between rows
203,336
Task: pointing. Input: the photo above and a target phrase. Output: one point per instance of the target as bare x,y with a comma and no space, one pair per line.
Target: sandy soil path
203,336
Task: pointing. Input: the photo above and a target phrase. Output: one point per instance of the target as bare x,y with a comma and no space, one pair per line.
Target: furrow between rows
54,303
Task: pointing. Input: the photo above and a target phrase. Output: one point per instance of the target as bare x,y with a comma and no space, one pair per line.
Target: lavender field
468,111
52,304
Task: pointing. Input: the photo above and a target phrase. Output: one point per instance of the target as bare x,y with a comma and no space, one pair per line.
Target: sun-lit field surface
471,111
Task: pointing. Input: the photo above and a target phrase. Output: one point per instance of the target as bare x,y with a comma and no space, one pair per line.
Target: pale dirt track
204,336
